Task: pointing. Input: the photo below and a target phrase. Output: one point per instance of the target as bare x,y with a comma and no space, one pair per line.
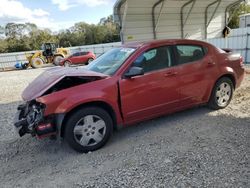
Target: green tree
38,37
235,12
27,36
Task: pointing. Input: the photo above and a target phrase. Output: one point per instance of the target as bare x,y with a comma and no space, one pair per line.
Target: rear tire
36,63
222,94
88,129
89,61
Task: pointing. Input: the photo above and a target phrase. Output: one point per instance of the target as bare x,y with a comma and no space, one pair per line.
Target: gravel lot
193,148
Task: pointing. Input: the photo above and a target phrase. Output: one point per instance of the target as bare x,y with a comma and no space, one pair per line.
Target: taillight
241,61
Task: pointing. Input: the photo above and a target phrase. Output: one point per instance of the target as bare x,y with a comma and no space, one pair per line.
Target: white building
161,19
244,20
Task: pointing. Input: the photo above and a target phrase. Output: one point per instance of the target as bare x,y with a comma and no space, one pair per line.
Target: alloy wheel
223,94
89,130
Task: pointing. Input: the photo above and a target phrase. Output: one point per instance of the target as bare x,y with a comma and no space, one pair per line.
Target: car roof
164,41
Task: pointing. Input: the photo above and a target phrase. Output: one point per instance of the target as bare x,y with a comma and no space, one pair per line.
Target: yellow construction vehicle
49,54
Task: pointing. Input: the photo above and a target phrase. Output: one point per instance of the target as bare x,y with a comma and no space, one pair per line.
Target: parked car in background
126,85
78,58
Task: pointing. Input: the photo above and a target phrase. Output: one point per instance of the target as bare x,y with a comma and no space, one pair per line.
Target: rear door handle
170,74
211,63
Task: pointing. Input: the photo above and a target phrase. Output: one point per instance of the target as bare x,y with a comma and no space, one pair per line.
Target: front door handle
168,74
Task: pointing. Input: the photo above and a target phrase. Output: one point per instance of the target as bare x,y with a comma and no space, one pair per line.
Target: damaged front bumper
29,119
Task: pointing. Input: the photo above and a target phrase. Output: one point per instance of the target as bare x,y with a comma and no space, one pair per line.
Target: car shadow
196,131
188,120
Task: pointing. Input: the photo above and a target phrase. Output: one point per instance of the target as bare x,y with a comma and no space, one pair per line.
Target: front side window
154,59
109,62
189,53
76,54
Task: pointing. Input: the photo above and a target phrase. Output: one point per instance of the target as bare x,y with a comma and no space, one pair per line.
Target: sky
54,14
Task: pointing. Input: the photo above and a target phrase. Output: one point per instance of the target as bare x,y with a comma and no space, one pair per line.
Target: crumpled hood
52,76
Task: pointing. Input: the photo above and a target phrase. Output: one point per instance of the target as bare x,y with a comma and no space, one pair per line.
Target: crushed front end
30,119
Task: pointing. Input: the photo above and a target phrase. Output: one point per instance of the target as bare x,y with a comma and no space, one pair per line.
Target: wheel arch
211,101
227,75
230,76
58,54
67,60
100,104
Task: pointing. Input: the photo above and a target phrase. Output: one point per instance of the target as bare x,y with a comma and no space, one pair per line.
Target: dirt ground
194,148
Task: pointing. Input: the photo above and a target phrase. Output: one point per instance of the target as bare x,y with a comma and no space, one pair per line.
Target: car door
195,68
74,58
83,57
155,92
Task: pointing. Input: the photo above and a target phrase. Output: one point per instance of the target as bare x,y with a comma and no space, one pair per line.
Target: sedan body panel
148,95
79,58
175,75
64,101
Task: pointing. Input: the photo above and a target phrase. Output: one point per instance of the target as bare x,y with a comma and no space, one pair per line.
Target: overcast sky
54,14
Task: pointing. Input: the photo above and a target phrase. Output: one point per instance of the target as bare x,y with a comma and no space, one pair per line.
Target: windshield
109,62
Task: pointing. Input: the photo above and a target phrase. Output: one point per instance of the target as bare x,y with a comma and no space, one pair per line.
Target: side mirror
134,71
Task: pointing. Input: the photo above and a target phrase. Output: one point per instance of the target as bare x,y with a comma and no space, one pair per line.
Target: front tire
222,94
88,129
67,64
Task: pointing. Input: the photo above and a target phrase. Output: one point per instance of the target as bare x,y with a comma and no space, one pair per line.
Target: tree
235,12
38,37
21,37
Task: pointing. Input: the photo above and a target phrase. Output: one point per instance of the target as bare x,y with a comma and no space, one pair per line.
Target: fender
62,102
227,71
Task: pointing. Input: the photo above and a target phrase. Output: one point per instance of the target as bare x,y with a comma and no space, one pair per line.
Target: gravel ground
193,148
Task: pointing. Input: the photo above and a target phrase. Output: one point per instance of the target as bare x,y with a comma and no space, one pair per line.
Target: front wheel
67,63
222,94
88,129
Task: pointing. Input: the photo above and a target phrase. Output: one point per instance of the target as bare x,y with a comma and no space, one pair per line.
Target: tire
25,65
57,60
36,63
222,94
89,61
67,64
83,133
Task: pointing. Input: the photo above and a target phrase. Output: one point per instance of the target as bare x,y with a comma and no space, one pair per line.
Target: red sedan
126,85
78,58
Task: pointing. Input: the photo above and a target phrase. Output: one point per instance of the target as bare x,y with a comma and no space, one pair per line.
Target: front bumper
40,126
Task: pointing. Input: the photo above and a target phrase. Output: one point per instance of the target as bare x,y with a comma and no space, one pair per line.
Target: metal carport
162,19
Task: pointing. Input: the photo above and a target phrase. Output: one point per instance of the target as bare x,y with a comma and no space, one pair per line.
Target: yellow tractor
49,54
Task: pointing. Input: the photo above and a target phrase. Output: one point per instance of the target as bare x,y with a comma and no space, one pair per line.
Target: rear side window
189,53
83,53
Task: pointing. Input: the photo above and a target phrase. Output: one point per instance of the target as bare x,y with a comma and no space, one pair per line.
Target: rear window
189,53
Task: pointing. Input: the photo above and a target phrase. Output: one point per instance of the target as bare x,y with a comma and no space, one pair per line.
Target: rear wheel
36,63
222,94
89,61
88,129
57,59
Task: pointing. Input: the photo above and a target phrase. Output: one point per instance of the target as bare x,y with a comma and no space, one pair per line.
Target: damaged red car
126,85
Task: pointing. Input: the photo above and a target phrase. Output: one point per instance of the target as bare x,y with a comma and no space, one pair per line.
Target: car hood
52,76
